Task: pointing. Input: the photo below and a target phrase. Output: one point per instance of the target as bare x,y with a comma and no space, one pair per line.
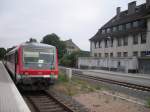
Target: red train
33,63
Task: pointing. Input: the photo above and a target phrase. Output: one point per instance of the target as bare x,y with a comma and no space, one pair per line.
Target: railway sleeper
50,106
42,99
52,110
45,103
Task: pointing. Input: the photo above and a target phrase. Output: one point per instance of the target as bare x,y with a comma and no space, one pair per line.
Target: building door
144,66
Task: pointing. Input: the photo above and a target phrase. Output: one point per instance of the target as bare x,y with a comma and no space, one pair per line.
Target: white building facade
123,42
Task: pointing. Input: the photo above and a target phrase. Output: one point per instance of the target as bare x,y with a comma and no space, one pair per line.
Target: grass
62,77
148,103
74,86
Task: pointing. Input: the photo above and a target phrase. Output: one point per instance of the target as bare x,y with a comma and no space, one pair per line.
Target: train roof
36,45
32,45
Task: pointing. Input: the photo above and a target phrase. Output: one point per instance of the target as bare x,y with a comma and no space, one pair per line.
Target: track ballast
42,101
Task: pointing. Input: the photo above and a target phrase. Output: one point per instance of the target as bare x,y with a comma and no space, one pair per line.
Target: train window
11,58
31,54
47,57
38,56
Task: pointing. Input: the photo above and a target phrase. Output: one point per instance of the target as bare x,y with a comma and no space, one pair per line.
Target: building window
128,25
124,27
111,54
108,30
143,38
100,55
106,43
135,24
118,54
114,29
103,31
118,64
143,53
142,23
69,52
135,39
125,54
125,41
106,55
70,47
95,54
119,41
135,53
120,27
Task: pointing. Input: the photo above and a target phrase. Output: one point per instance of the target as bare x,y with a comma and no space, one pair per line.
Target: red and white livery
33,63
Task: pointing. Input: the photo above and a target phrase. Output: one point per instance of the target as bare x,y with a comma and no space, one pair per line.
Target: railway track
125,84
42,101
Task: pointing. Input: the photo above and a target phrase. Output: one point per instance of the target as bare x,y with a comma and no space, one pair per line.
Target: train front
39,65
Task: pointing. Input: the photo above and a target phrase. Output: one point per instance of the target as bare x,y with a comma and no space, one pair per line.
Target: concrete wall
148,32
114,64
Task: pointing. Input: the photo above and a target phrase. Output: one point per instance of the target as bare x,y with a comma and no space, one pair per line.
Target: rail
121,83
43,101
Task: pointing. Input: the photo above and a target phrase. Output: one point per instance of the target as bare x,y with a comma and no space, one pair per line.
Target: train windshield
38,58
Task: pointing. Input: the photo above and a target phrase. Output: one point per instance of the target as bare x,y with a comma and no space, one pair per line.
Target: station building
71,46
123,43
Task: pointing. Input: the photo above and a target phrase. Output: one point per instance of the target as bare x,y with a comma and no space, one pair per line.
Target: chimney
147,3
131,7
118,9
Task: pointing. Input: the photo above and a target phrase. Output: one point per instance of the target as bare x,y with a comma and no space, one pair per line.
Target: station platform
135,75
139,79
10,98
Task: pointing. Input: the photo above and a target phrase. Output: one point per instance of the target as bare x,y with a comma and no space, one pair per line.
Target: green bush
70,60
2,53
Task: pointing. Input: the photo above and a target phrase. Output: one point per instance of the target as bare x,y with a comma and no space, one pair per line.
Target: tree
53,39
31,40
2,53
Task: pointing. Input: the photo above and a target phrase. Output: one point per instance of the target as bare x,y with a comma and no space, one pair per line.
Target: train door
16,62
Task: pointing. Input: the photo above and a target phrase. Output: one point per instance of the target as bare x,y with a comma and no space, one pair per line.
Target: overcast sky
75,19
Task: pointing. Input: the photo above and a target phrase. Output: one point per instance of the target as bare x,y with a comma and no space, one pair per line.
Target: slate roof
71,43
141,13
